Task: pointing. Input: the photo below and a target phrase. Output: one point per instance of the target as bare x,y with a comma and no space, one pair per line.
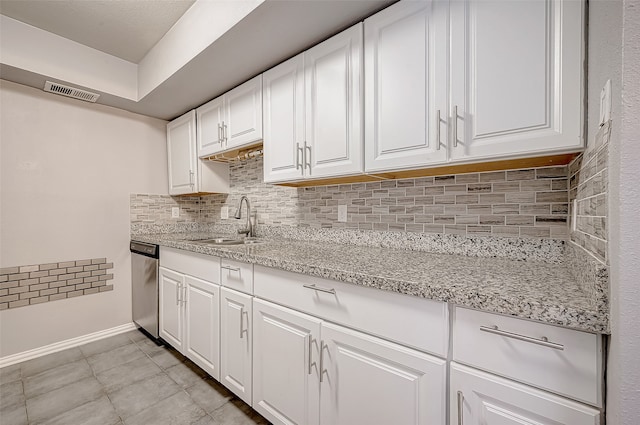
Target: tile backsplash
528,203
589,187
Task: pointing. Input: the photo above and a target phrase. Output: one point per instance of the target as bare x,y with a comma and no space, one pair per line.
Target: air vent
70,92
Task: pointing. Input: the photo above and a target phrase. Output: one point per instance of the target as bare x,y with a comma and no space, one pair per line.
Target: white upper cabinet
284,120
187,173
406,64
210,119
243,114
333,106
231,120
313,112
516,82
181,152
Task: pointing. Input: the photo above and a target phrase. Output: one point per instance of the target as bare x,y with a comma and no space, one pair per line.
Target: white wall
623,381
26,47
201,25
67,169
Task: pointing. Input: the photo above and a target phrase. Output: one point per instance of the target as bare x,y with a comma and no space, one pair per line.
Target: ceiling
271,32
127,29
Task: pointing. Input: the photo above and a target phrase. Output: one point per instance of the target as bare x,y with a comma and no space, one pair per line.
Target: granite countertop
534,290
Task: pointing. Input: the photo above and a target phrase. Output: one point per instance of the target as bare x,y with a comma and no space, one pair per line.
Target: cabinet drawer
237,275
197,265
571,366
411,321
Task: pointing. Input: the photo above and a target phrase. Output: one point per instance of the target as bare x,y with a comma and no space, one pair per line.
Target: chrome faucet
249,230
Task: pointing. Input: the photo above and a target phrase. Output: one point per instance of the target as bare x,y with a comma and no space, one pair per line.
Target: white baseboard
63,345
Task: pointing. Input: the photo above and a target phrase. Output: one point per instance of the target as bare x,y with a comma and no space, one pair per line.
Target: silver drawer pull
231,269
318,288
544,341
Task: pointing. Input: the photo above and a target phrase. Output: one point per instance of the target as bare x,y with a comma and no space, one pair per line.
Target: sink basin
225,241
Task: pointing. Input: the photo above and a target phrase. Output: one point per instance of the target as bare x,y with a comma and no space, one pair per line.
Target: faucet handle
244,232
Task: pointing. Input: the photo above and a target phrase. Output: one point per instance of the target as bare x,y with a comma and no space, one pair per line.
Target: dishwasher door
144,284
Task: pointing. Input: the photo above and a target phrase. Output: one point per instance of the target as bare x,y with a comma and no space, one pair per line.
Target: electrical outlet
224,212
342,213
175,212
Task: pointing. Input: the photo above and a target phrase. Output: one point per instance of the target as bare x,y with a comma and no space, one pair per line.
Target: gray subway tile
106,344
11,393
14,415
58,401
50,361
176,409
109,359
10,373
237,412
135,398
97,412
128,373
57,377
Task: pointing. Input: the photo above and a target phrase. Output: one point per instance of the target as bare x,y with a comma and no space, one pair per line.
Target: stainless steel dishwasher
144,286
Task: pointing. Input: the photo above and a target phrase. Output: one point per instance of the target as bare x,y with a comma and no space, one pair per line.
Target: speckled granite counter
532,290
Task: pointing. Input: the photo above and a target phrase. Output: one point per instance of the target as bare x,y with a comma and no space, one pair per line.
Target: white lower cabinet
189,318
308,371
236,342
286,380
479,398
171,311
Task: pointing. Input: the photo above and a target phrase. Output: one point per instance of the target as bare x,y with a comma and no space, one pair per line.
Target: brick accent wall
40,283
515,203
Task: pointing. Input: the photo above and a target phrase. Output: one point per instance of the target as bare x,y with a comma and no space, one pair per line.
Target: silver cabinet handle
318,288
219,133
307,160
310,347
241,321
230,269
223,139
438,130
178,294
544,341
298,152
460,407
455,126
322,347
190,177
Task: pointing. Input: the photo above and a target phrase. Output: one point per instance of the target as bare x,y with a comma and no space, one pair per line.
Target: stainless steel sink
225,241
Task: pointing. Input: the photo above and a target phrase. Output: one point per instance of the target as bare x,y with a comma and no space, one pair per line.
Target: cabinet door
283,96
202,338
181,153
235,342
171,311
243,114
406,86
210,131
366,380
484,399
333,105
516,77
285,364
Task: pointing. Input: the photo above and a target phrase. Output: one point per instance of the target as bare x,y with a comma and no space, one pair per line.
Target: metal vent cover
68,91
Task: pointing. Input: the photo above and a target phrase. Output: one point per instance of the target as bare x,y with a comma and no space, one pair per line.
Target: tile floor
122,380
